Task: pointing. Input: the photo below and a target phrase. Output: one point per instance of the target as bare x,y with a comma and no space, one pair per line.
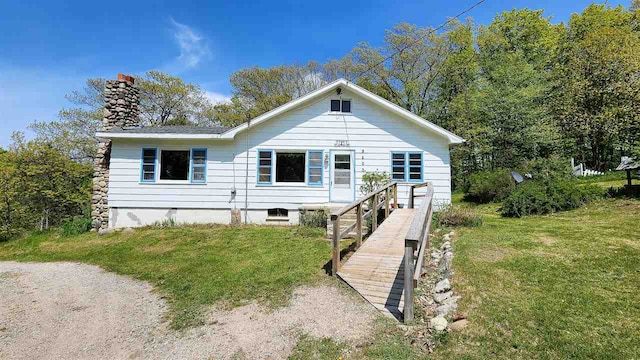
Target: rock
95,223
459,325
128,230
105,231
444,310
438,323
459,316
446,237
451,300
437,231
446,245
451,233
440,298
443,286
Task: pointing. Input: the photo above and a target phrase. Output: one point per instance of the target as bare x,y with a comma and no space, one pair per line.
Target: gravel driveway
76,311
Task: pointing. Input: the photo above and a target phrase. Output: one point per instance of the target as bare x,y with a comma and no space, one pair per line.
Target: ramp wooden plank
376,269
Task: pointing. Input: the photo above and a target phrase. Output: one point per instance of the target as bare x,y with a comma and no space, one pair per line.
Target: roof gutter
169,136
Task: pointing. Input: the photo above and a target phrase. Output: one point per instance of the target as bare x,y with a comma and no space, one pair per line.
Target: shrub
8,233
537,197
76,226
372,180
489,186
314,218
457,216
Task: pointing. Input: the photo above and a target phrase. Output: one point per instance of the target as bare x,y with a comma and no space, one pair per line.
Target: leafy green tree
257,90
405,70
164,100
42,186
596,100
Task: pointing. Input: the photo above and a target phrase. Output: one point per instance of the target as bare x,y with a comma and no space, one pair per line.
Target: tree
597,99
409,77
40,187
168,100
164,100
257,90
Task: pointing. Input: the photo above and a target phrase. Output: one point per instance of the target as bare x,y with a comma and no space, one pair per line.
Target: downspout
246,176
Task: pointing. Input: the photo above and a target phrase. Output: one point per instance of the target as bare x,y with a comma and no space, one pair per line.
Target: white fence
579,170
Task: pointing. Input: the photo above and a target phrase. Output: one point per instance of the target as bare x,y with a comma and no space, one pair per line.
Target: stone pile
121,110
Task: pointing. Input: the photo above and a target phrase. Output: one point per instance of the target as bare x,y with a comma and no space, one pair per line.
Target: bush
8,233
314,218
76,226
457,216
373,180
489,186
537,197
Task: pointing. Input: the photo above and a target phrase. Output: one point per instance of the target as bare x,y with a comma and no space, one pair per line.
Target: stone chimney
121,102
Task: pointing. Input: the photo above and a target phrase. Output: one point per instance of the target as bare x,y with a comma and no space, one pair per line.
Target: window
415,167
398,165
290,167
346,106
148,173
174,165
406,166
198,165
265,159
342,169
335,105
314,167
278,212
341,106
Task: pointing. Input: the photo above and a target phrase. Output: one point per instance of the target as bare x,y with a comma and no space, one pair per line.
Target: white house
310,152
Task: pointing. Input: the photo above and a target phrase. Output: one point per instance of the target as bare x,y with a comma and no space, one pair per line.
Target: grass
195,266
558,286
549,287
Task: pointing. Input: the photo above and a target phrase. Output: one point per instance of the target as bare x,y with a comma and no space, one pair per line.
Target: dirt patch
68,310
545,239
492,255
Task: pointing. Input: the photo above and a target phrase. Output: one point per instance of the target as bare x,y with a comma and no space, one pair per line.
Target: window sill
277,219
165,182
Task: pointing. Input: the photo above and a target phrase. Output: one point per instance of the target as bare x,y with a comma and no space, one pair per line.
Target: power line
418,40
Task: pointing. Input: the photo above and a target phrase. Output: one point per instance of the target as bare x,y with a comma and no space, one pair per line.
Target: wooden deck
376,269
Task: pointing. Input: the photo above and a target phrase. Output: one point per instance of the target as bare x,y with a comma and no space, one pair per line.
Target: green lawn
195,266
566,285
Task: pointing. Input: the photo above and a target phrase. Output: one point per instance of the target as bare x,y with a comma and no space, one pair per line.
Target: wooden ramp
376,269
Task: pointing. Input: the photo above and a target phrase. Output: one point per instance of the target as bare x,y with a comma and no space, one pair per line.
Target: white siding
373,133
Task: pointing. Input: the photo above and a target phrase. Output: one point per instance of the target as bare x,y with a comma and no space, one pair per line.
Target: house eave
168,136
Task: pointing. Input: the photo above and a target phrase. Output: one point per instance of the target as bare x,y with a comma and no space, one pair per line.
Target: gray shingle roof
628,163
172,130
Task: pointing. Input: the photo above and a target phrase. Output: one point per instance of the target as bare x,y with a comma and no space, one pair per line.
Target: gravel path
76,311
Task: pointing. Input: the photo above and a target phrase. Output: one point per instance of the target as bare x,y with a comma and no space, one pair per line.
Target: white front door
341,186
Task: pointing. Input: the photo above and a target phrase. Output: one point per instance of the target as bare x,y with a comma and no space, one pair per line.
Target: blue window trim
321,167
404,175
408,172
258,182
142,163
192,165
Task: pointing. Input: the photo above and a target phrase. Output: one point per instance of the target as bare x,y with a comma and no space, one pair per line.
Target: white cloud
216,97
193,46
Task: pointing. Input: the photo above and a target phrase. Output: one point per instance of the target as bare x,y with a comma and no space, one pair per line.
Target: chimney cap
127,78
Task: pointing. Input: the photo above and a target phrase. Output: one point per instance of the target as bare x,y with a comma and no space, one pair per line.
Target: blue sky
49,48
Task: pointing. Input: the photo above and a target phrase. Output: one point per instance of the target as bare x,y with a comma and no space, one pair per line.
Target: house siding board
311,127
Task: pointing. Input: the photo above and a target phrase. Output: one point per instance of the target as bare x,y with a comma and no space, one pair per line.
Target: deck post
336,245
374,213
411,197
359,225
409,248
395,196
386,203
